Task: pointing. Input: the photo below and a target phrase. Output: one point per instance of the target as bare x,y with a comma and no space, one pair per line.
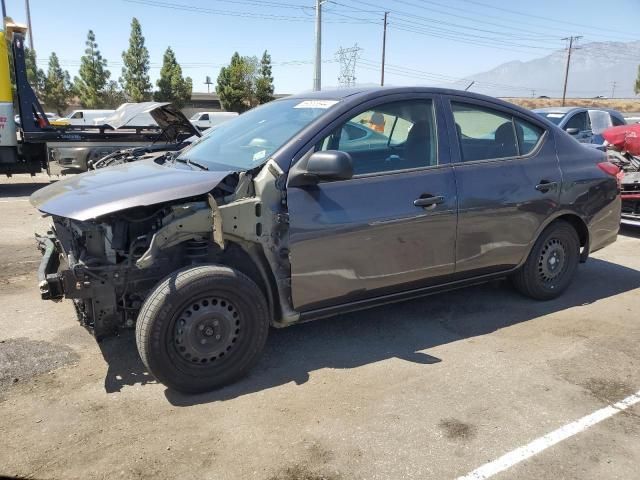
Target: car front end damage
107,265
96,263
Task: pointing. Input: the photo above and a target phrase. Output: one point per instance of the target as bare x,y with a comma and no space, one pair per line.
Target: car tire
551,264
202,328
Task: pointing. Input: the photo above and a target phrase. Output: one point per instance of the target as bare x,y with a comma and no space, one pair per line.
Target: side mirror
572,131
328,166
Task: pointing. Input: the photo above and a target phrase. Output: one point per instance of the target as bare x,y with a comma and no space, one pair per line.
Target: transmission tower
348,57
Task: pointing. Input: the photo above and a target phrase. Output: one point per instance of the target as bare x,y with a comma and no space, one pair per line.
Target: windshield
552,117
195,116
249,139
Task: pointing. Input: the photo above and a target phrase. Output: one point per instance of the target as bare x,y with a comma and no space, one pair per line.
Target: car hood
171,120
108,190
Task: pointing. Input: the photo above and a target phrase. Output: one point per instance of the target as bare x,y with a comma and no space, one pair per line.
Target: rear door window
487,134
528,135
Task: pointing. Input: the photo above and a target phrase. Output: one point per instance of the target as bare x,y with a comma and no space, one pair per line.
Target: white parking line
520,454
15,200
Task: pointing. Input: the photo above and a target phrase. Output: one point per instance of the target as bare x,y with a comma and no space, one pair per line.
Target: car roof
557,109
365,93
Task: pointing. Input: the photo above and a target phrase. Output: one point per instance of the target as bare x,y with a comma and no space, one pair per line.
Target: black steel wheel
551,264
202,328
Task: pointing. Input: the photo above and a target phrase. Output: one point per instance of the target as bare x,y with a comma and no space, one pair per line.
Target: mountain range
594,69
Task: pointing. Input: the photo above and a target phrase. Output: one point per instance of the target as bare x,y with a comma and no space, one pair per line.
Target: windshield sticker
555,115
259,155
316,104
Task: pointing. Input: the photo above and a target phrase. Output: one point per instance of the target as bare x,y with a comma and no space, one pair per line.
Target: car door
389,228
508,182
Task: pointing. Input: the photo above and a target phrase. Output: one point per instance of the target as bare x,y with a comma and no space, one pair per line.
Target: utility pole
4,10
613,89
384,47
533,93
26,6
317,71
566,72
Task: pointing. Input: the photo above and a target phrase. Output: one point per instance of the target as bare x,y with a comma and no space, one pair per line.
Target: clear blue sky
429,42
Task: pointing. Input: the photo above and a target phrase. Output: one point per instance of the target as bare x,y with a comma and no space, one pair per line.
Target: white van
87,117
204,120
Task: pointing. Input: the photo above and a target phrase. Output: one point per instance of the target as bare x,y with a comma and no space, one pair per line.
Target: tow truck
30,148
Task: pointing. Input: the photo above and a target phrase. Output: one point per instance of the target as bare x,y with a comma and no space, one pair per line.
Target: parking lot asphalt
434,388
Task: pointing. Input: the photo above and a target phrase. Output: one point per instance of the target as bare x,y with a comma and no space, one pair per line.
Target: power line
546,19
211,11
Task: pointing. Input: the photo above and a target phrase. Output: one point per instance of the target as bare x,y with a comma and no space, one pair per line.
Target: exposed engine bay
108,264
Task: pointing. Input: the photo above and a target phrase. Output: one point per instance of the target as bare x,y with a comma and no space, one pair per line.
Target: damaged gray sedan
319,204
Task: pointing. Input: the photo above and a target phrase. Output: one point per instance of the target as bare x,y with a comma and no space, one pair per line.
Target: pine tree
172,87
636,87
113,95
35,75
135,73
235,83
264,82
93,75
57,89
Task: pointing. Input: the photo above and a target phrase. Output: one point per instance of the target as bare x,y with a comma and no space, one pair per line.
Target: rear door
389,228
508,181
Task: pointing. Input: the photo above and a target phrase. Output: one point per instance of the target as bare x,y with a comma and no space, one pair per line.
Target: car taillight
613,170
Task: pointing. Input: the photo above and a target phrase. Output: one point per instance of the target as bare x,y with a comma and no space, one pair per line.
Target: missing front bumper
49,280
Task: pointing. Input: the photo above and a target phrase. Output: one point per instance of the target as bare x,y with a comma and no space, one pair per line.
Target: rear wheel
551,264
202,328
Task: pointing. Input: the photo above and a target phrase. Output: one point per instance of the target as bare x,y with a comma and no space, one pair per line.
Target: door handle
427,200
545,185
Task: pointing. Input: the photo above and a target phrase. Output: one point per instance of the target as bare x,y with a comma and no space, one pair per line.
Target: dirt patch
21,359
608,390
622,105
303,472
454,429
18,266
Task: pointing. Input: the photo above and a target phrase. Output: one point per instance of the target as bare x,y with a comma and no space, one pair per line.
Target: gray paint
100,192
358,241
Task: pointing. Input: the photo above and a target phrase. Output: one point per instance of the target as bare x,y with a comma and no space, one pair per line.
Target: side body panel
499,208
359,238
362,237
589,192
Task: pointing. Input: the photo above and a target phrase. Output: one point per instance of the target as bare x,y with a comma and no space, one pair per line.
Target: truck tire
551,264
202,327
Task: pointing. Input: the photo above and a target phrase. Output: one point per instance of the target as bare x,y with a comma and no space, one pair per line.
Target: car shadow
402,330
627,231
124,367
13,190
